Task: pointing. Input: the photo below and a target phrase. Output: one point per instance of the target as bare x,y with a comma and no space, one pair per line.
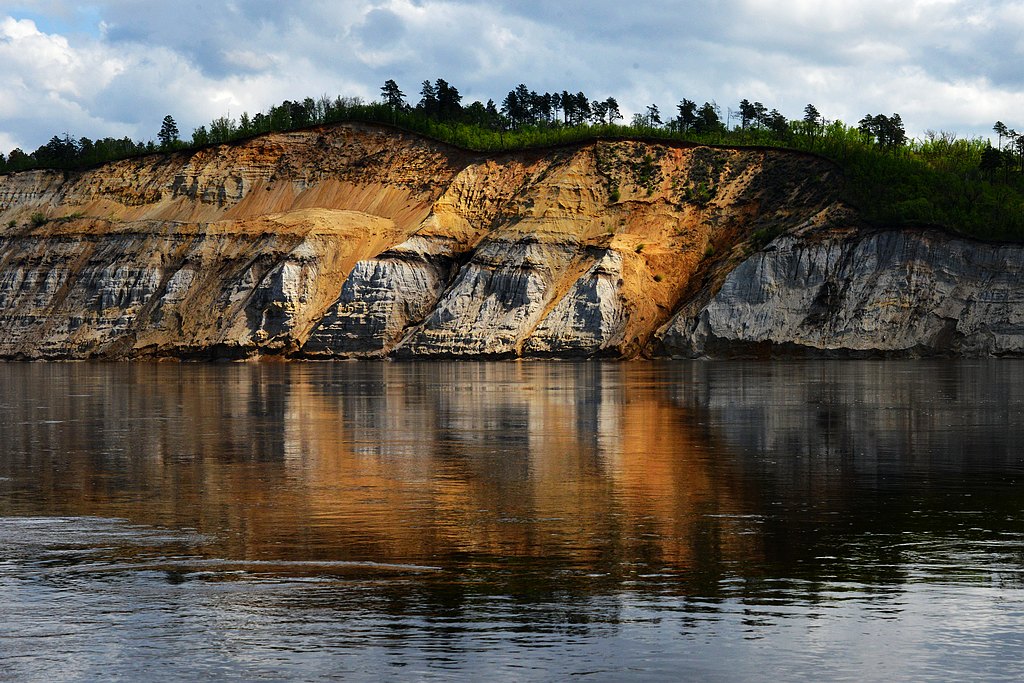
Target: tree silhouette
746,113
428,99
300,113
582,108
1000,130
613,112
708,119
568,101
760,115
169,133
393,96
887,131
494,121
777,124
200,137
17,160
653,116
812,122
516,106
449,106
811,115
687,114
59,152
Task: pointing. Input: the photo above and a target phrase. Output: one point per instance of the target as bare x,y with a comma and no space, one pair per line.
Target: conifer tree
393,96
169,133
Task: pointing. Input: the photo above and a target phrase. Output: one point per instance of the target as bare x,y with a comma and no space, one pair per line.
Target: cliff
357,241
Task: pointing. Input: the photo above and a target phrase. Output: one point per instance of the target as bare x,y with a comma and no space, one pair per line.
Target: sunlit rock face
381,298
353,241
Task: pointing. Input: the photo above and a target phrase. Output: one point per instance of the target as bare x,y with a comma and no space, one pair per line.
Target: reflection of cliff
589,474
154,444
581,464
586,466
851,452
826,424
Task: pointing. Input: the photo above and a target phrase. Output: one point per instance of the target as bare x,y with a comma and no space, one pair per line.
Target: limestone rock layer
355,241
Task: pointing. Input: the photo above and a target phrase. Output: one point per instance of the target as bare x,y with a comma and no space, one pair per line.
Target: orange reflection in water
579,464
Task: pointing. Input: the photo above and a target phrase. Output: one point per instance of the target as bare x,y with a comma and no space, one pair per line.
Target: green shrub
37,219
763,236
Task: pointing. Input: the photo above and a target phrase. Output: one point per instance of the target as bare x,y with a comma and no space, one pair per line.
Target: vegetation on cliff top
962,185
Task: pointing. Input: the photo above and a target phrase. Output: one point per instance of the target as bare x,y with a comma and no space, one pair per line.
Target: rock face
898,293
357,241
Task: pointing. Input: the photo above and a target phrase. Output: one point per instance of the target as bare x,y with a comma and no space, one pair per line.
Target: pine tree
393,97
169,133
687,114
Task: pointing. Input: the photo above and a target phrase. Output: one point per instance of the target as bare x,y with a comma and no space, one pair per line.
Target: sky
117,67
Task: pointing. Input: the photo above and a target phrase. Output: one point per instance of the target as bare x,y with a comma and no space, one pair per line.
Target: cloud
381,28
116,67
49,83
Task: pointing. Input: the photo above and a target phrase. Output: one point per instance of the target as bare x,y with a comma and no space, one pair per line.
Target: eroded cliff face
232,251
869,293
356,241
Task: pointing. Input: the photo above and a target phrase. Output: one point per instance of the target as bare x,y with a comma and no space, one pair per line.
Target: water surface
512,521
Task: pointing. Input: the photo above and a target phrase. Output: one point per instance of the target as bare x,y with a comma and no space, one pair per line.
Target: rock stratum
355,241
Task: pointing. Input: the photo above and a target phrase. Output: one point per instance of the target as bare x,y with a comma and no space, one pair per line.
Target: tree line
66,152
524,117
964,184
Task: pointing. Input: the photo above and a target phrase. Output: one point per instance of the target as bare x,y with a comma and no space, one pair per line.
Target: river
519,521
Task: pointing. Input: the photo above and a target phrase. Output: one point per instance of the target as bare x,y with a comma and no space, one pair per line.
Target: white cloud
50,83
7,143
122,65
44,63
